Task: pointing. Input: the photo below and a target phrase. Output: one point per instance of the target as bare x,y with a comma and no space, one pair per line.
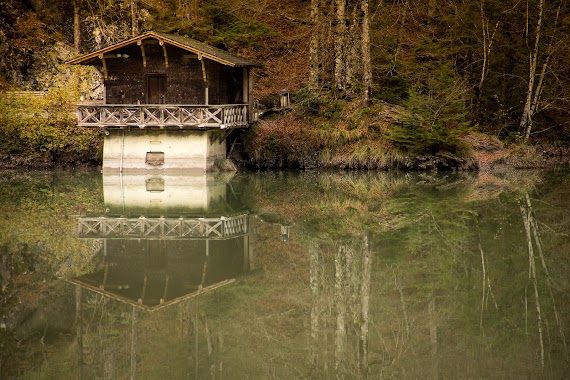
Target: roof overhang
98,288
199,48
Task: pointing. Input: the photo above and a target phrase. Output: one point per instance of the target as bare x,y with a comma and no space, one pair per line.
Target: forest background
437,84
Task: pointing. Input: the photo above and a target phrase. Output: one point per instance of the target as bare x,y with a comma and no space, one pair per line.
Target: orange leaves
30,33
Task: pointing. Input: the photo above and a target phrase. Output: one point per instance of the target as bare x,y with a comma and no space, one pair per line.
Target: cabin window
155,158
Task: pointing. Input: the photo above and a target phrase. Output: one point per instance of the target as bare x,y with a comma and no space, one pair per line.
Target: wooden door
156,89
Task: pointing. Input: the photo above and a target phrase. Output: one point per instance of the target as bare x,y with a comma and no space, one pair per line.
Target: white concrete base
186,151
164,194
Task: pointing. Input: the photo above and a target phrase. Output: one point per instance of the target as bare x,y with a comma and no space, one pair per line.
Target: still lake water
284,275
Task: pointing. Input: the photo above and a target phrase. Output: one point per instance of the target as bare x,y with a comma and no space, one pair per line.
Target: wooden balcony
164,228
163,116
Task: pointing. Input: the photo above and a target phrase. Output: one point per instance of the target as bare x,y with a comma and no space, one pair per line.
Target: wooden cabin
169,102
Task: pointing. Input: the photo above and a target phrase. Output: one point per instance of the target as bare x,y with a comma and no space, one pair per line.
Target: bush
419,140
439,116
46,127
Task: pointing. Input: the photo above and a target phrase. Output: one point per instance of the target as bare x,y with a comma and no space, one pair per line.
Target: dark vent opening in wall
155,185
155,158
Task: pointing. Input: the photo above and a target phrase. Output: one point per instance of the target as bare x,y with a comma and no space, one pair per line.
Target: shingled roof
185,43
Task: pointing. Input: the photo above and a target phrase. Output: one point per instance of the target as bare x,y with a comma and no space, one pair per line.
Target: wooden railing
161,116
173,228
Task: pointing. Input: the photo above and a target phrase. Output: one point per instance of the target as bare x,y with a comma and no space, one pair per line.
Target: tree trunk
77,25
315,55
526,119
134,18
366,60
340,45
488,39
352,74
535,88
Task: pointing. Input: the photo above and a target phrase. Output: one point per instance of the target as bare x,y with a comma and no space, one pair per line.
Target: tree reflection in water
380,275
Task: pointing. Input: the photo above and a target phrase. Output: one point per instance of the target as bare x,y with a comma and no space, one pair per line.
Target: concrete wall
186,151
163,194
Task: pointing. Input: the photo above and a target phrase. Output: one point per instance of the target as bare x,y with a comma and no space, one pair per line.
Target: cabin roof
86,282
185,43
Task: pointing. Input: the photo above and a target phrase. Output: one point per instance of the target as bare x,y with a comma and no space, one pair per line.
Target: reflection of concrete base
163,192
189,151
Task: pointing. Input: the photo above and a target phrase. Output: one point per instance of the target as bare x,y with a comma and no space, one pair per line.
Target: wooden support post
105,276
206,259
250,95
205,76
140,43
250,236
166,281
245,84
143,289
105,73
246,253
161,42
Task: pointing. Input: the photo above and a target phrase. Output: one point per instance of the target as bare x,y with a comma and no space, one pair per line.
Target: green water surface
332,275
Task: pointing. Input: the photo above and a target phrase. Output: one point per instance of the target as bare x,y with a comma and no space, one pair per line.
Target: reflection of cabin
160,90
152,271
155,194
166,238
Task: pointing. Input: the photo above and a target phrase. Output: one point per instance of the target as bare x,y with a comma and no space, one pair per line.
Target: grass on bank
327,133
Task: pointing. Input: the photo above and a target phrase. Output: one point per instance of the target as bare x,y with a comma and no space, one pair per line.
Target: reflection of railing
158,115
174,228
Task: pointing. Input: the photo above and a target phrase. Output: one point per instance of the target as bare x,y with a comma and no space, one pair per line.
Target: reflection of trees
205,344
37,244
116,340
438,292
106,337
444,242
534,246
340,288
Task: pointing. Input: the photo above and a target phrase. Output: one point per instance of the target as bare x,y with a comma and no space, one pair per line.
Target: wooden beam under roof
161,43
104,63
205,50
141,44
205,76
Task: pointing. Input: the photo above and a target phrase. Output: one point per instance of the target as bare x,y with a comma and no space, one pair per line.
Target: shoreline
515,157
